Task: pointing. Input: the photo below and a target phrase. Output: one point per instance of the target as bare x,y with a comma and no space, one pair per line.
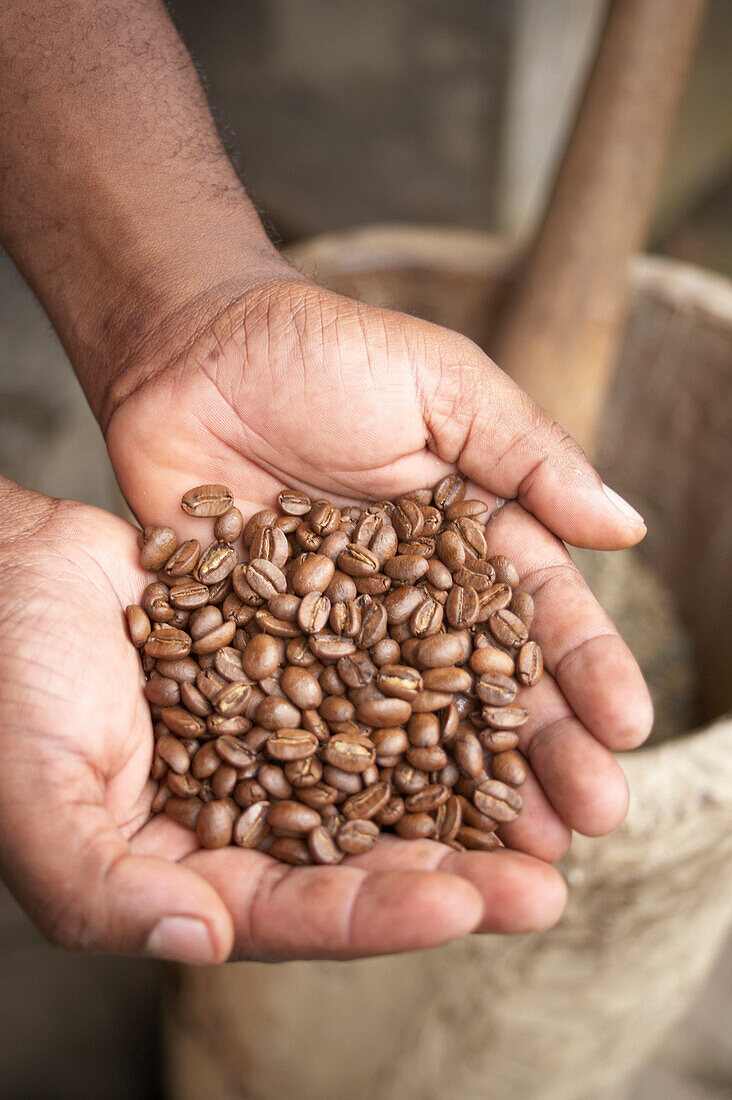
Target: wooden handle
558,332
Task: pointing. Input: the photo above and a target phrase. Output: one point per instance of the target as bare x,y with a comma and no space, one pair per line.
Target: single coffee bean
277,714
472,536
439,651
207,500
427,760
294,503
507,629
251,827
350,753
522,605
167,643
301,688
448,679
261,657
314,574
497,800
498,740
407,519
162,691
415,826
461,508
406,568
468,754
157,544
399,681
214,825
265,578
358,561
329,647
505,718
304,773
356,837
217,638
292,817
183,561
449,818
313,612
427,800
322,847
492,660
274,781
505,570
383,712
426,620
368,802
509,767
476,839
138,624
189,595
495,689
156,604
290,849
184,811
324,518
318,796
448,491
291,744
529,664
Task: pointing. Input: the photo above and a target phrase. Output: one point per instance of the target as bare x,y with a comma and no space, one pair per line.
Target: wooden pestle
558,332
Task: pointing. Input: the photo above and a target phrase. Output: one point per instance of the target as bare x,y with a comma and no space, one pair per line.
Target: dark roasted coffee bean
324,518
184,811
462,508
496,597
390,813
270,544
228,527
426,620
356,670
162,691
156,604
356,837
264,518
450,549
402,602
529,664
189,595
318,796
462,606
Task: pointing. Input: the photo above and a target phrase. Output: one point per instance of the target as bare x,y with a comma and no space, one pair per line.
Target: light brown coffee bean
356,837
261,657
497,800
399,681
523,605
314,574
217,638
358,561
509,767
272,778
498,740
183,561
251,827
448,679
313,612
291,744
184,811
368,802
293,818
207,500
301,688
294,503
290,849
157,544
423,731
507,629
205,761
330,647
415,826
491,660
324,518
461,508
505,570
167,644
384,712
448,491
322,847
427,760
138,625
505,718
495,689
162,691
350,753
439,651
468,754
449,818
277,714
407,519
214,825
318,796
427,800
304,773
472,536
476,839
406,568
529,664
265,578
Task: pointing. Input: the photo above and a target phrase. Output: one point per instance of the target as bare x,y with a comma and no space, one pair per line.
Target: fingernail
185,939
622,506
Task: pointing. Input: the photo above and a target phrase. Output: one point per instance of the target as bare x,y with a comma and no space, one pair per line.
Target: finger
66,862
479,419
593,666
338,912
538,830
581,778
519,893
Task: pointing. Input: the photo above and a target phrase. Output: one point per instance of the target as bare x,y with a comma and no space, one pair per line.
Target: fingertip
528,895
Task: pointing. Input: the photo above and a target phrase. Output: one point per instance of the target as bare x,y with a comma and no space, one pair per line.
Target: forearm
117,200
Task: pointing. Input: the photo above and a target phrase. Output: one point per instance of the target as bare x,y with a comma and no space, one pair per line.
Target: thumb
501,439
63,857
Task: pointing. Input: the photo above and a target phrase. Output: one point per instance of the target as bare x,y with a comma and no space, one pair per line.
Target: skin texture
206,358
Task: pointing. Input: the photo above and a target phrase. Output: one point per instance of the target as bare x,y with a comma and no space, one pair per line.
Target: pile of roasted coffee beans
320,674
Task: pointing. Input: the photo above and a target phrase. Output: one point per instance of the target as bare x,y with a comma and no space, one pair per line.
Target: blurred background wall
341,113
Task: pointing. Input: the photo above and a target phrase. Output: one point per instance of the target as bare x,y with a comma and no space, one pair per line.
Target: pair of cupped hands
288,384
